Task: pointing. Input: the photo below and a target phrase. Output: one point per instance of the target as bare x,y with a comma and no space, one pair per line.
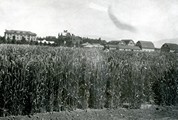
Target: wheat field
37,79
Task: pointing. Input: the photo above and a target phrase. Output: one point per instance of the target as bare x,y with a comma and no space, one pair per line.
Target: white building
94,45
46,42
20,35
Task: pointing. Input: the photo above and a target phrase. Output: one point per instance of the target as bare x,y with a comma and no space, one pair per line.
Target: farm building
146,46
157,49
113,47
86,45
89,45
19,35
128,48
46,42
127,42
169,47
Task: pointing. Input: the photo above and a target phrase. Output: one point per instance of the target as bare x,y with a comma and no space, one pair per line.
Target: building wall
139,45
122,43
112,48
148,50
20,36
165,48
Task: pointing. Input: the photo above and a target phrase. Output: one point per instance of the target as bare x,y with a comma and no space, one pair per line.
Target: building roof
146,44
98,45
172,46
127,41
92,45
114,42
85,44
20,32
128,47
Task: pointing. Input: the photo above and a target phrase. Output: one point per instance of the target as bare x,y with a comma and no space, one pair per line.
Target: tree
31,42
23,41
36,42
2,39
8,40
13,40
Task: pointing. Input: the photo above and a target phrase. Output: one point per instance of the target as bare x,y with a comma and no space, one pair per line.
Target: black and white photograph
88,59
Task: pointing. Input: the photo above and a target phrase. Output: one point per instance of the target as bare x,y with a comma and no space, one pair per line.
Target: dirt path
158,113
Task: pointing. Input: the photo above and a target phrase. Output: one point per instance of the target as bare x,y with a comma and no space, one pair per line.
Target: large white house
20,35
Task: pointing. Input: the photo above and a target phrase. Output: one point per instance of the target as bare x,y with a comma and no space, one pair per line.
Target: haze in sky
149,20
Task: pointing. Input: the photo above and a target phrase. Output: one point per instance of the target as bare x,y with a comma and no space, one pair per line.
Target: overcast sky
150,20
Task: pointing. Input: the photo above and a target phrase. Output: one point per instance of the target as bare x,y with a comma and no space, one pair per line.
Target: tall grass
45,79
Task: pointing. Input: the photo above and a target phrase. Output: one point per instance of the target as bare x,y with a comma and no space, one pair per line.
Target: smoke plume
118,23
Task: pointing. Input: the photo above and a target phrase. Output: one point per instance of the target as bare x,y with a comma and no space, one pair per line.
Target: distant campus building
70,40
20,35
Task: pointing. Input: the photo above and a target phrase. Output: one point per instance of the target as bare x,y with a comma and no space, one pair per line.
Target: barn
128,48
94,45
169,47
146,46
128,42
113,47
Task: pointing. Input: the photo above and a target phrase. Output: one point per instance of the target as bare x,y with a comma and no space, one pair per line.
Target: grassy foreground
36,79
153,113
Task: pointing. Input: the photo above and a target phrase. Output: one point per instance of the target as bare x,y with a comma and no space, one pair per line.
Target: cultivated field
35,79
164,113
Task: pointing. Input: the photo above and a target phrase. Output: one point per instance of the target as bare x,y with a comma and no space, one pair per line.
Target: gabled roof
20,32
98,45
172,46
85,44
127,41
92,45
146,44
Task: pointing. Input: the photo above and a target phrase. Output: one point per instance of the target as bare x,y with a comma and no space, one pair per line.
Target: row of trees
76,41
